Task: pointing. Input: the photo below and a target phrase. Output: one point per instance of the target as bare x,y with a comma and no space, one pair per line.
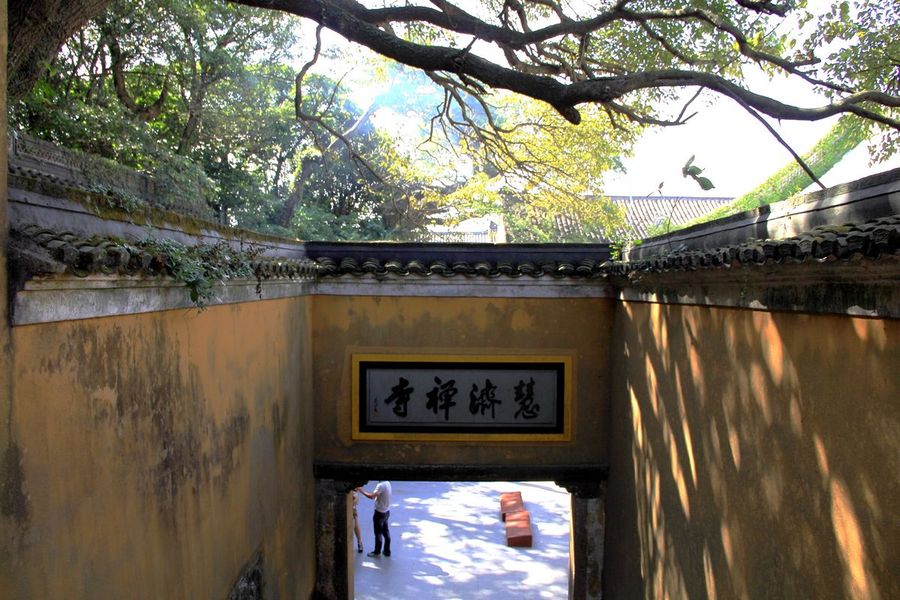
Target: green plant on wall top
848,133
203,266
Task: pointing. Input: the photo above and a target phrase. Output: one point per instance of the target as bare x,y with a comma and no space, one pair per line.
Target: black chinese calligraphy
399,397
524,397
441,397
480,401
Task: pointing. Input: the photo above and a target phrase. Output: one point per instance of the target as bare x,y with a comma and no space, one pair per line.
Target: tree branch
142,112
782,141
356,23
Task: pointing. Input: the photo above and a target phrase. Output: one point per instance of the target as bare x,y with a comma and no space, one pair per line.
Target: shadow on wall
764,452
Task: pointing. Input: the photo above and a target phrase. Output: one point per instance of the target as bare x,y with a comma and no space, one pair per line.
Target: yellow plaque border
568,395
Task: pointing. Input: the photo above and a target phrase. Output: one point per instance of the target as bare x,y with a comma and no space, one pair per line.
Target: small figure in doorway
382,497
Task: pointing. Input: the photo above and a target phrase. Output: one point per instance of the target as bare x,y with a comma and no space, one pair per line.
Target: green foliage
847,134
863,38
200,268
690,170
543,176
662,227
205,104
201,94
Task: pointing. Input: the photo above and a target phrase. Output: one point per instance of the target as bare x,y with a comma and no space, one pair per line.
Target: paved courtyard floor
448,542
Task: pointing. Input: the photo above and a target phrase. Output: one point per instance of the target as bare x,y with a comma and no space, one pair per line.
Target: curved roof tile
870,240
107,256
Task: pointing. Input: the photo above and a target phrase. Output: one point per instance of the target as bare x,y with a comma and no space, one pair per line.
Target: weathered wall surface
7,524
756,455
156,454
346,324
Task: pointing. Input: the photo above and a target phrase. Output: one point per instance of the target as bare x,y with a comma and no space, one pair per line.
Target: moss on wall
756,455
160,452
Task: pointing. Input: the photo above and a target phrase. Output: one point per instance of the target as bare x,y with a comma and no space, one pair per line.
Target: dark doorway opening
336,553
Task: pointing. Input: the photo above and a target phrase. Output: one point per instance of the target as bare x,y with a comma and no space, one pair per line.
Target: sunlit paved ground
449,542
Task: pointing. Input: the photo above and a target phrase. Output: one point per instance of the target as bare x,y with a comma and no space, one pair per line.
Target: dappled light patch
760,458
758,383
822,457
772,349
795,415
734,444
686,432
858,580
709,575
449,543
652,386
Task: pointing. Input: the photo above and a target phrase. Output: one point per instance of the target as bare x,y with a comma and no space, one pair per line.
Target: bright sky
735,152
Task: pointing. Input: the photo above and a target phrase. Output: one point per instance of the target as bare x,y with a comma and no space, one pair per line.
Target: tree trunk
37,30
190,133
286,214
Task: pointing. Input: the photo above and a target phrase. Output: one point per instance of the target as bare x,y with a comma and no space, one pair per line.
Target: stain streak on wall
157,453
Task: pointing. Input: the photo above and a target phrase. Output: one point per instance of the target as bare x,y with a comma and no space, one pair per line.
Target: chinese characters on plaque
461,396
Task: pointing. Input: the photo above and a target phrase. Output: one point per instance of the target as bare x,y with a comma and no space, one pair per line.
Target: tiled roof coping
383,259
860,201
871,240
331,267
65,252
37,197
451,253
122,278
784,233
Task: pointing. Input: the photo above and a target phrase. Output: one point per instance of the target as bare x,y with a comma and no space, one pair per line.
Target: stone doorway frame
586,485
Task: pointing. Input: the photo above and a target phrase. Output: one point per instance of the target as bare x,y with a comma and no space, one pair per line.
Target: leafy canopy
627,55
208,94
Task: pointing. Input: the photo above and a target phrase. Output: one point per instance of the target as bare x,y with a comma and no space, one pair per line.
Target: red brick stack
516,519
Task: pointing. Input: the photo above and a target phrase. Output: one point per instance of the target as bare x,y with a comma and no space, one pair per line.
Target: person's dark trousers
380,521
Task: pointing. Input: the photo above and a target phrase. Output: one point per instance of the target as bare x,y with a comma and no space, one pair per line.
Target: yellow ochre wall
156,453
755,455
342,325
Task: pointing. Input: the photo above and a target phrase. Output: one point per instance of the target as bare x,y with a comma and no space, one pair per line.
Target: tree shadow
755,455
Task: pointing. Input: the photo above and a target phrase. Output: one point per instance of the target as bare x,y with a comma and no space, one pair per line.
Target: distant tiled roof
873,239
644,212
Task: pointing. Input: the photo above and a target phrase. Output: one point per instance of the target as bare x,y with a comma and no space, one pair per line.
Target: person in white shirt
382,497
